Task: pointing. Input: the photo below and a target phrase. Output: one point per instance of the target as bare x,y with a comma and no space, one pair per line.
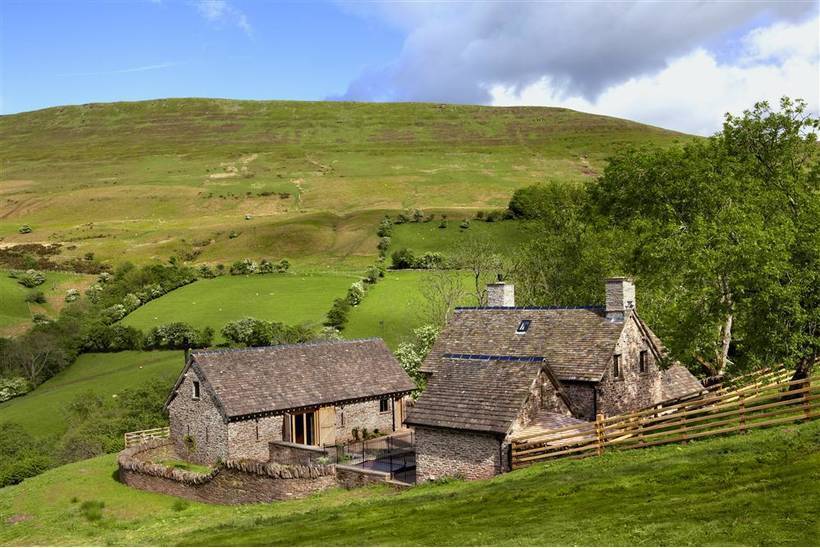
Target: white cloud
694,91
143,68
218,11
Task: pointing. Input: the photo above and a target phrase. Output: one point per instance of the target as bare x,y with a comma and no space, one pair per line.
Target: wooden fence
135,438
768,399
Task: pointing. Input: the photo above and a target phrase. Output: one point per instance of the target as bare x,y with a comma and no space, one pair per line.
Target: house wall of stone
201,420
543,396
249,439
633,389
441,452
582,397
363,415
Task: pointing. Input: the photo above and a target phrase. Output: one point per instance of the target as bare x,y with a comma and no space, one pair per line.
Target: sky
676,64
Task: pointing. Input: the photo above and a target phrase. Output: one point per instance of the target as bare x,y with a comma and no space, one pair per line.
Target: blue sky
676,64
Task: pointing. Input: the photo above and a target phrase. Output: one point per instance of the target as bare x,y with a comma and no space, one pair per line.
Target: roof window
523,326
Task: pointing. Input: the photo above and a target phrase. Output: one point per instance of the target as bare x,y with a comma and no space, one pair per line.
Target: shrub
355,294
372,274
233,234
11,387
384,245
248,332
442,224
283,266
337,316
265,266
180,505
88,256
113,313
178,336
205,271
479,215
403,258
31,278
24,229
430,260
104,278
40,319
402,218
37,297
465,224
131,302
385,227
245,266
418,215
72,295
112,338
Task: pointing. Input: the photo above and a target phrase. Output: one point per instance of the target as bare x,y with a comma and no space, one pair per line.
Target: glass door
303,427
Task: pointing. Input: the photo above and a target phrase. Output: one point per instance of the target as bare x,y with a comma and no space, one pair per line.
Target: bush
385,228
11,387
178,336
31,278
403,258
37,297
372,274
180,505
479,215
248,332
206,271
21,455
283,266
355,294
418,215
72,295
430,260
131,302
337,316
442,224
384,245
245,266
265,267
92,509
40,319
465,224
113,313
25,229
112,338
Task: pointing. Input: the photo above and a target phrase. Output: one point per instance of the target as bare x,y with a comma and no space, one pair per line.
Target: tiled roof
476,395
576,343
679,382
251,381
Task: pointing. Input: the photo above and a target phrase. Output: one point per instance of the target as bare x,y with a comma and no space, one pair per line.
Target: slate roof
252,381
576,343
679,382
476,395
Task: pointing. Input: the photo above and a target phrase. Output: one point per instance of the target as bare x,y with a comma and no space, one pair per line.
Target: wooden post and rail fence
141,436
768,399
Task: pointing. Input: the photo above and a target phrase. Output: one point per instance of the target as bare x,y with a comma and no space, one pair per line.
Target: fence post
599,433
806,402
742,404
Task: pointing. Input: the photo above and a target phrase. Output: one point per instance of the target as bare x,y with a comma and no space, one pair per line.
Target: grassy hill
155,178
762,488
41,412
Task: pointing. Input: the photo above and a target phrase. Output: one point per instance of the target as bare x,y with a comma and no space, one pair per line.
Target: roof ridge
288,345
587,307
492,357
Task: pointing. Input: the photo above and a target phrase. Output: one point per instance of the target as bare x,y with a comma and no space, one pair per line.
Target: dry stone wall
454,453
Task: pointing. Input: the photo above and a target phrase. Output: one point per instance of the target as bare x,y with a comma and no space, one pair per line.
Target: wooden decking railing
766,401
140,436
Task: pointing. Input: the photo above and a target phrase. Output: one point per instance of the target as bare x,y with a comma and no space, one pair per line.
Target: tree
248,332
479,255
719,230
442,291
411,353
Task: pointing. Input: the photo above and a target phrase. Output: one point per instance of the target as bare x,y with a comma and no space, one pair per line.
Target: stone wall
363,415
441,453
633,389
582,397
231,482
351,477
201,420
250,439
285,452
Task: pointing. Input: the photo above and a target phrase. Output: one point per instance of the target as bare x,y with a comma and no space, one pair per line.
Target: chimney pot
620,297
500,294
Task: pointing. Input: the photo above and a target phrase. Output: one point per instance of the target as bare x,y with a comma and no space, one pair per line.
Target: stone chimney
620,297
500,294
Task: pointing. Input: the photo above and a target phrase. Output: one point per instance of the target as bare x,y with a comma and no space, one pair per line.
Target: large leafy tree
724,237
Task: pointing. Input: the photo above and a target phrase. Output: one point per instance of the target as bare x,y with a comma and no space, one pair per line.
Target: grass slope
506,236
762,488
394,307
41,411
16,313
155,178
286,298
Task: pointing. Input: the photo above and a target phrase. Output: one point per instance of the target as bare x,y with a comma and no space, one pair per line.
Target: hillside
762,488
156,178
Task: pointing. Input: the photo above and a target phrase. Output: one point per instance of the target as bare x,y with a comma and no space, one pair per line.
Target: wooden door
327,426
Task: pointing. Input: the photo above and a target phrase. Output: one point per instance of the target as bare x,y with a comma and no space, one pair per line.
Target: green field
287,298
41,412
151,179
505,236
762,488
16,313
394,307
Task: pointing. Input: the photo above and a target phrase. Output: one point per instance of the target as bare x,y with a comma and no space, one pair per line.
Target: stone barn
229,404
470,408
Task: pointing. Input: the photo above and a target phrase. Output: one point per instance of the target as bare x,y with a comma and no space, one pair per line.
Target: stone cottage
603,360
229,404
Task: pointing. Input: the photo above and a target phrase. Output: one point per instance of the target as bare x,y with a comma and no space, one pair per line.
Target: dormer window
523,327
195,393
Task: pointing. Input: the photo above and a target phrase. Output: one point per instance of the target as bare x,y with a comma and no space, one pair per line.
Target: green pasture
505,236
757,489
288,298
16,313
42,411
